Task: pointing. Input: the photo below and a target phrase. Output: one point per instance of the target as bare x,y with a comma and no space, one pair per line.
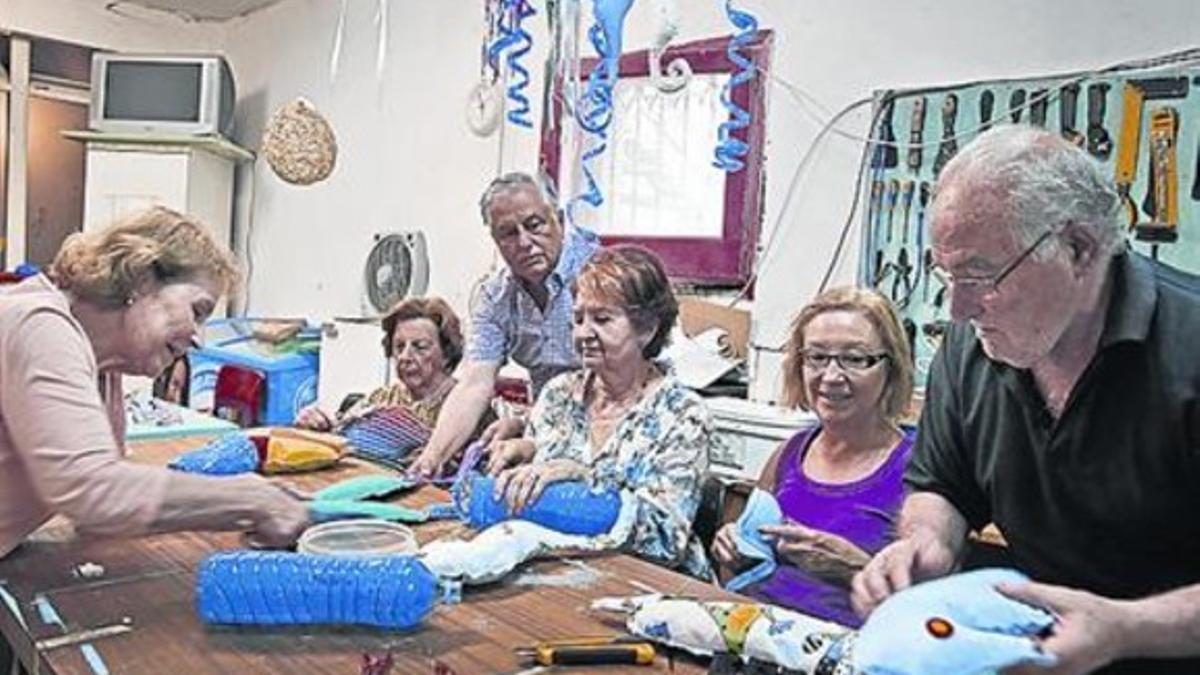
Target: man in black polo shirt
1064,406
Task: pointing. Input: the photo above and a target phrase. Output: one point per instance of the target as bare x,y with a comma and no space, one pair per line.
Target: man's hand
898,566
817,552
312,417
505,454
524,484
501,430
1088,633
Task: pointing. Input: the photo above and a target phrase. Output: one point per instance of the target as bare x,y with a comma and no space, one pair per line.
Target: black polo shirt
1107,497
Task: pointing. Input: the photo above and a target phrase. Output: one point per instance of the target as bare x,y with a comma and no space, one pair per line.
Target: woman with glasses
839,483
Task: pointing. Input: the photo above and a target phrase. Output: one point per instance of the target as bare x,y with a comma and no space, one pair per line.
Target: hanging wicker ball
299,144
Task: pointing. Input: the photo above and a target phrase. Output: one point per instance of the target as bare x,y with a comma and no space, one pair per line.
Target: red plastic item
513,390
240,395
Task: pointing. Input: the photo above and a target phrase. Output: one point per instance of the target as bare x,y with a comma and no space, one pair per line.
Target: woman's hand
428,464
502,430
724,546
819,553
312,417
505,454
280,518
522,485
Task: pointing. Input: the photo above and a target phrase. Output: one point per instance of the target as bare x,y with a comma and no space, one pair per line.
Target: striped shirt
507,323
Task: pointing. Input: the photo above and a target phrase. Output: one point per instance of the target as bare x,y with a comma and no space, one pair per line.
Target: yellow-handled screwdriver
589,651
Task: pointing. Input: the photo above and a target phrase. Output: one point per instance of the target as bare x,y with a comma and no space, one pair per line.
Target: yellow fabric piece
735,624
291,450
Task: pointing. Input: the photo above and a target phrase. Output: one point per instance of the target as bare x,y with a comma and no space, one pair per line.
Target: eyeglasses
851,362
989,283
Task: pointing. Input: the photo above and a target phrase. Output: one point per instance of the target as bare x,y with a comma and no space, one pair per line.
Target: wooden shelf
217,145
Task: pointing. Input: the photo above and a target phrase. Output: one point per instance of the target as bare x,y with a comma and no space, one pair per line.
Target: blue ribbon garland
517,42
730,151
594,112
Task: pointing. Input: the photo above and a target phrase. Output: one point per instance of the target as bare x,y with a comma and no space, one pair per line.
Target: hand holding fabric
1087,633
817,552
524,484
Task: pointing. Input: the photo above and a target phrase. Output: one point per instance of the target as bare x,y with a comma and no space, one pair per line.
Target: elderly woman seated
423,339
838,484
125,300
622,421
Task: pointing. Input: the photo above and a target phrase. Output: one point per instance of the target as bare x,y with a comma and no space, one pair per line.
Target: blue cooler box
291,378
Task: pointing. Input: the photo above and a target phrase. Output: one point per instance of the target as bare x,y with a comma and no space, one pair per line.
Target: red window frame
718,262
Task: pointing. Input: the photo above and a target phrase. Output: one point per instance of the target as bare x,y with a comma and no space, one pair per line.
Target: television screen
152,91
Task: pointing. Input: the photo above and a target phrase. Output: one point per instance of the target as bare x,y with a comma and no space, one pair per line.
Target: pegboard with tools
1141,122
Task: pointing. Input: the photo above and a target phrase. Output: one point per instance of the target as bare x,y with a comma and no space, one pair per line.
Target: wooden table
148,582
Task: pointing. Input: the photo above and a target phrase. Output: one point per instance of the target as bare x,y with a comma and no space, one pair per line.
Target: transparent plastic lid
358,537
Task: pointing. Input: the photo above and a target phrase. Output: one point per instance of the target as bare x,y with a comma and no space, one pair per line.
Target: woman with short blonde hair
838,484
128,299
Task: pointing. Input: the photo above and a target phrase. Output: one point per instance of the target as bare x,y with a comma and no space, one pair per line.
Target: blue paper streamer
594,112
730,151
516,42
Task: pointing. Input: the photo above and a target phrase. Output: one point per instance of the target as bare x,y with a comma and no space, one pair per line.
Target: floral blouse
658,450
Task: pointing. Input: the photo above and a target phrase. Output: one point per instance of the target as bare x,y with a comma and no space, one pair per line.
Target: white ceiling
200,10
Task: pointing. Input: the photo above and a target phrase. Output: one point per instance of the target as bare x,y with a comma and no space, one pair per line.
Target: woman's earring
129,301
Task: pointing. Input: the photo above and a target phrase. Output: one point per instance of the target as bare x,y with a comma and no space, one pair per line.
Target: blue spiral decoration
730,151
517,42
594,111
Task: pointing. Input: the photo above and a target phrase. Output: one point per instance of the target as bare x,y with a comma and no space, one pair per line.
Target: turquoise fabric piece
364,487
958,625
761,509
325,510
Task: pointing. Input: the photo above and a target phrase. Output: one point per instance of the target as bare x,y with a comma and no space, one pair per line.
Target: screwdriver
589,651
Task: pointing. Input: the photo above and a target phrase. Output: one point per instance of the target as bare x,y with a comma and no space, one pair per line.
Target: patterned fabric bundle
387,435
957,625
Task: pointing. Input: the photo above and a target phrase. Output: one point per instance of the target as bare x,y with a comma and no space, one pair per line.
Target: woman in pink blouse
125,300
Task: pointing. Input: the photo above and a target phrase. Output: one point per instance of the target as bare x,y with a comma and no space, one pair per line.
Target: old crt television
165,94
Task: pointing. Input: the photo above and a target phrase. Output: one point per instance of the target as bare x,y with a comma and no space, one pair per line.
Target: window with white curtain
658,173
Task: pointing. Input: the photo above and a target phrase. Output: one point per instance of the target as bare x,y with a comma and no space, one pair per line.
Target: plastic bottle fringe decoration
386,434
569,507
277,588
730,151
517,42
228,455
299,144
958,625
594,111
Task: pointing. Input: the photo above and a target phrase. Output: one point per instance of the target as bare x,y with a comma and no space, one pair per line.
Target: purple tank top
864,512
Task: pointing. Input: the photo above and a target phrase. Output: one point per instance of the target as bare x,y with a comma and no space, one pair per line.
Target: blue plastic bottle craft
276,588
570,507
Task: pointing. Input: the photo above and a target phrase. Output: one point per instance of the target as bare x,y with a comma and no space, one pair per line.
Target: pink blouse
59,446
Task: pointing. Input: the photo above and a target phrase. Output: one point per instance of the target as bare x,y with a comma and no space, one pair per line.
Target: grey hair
1040,180
512,181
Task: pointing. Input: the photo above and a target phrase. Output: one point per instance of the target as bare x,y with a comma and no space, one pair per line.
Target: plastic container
357,538
291,378
274,588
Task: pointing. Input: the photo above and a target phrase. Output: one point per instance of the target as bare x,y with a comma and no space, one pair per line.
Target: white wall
405,157
88,22
407,160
